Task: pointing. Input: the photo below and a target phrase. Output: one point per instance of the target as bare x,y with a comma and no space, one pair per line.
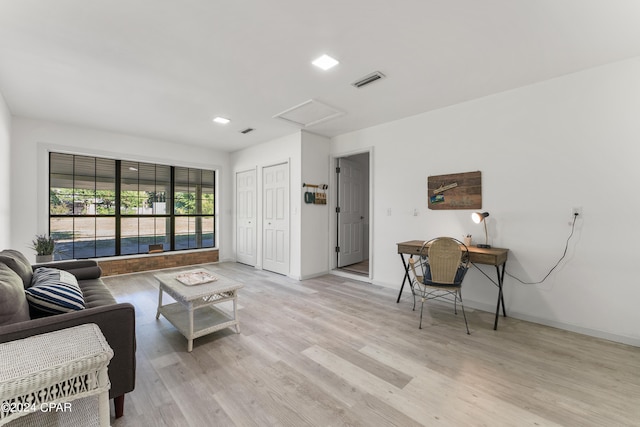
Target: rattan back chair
438,272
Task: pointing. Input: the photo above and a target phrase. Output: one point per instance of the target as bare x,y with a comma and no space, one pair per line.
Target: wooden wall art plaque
455,191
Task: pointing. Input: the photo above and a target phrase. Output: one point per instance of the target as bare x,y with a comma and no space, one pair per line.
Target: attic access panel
455,191
309,113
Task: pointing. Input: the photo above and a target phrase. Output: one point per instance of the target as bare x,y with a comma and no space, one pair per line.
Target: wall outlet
576,213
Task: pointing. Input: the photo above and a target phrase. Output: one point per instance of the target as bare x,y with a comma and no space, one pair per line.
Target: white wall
5,174
315,231
32,140
286,149
542,149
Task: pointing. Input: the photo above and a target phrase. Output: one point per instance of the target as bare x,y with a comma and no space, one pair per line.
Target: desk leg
500,295
406,276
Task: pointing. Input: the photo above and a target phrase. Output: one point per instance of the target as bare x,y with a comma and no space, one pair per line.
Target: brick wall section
156,262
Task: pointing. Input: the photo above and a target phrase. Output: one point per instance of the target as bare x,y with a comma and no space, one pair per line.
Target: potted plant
44,246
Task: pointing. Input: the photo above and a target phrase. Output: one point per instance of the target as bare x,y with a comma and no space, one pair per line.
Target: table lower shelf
205,319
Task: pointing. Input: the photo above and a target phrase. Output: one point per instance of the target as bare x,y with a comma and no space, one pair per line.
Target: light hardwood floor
360,268
331,352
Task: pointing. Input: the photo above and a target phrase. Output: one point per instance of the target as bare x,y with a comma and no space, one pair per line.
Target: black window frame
81,202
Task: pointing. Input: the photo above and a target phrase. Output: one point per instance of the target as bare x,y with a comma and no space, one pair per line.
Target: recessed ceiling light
221,120
325,62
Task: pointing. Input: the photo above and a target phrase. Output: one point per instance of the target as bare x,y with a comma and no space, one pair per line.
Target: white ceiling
165,68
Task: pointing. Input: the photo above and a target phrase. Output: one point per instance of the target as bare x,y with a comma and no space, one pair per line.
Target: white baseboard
556,324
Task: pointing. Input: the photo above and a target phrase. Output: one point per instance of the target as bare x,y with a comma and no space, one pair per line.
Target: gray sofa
116,320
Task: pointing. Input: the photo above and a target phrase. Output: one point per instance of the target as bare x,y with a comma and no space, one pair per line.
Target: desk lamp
479,217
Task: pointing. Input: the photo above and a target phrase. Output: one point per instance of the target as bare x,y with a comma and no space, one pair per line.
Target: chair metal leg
421,310
413,292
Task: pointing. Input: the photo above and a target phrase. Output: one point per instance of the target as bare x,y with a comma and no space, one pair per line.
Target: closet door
246,217
275,218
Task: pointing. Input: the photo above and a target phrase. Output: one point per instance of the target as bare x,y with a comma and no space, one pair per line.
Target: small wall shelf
315,197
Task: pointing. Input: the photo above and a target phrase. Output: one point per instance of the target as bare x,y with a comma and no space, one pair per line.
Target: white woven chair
438,272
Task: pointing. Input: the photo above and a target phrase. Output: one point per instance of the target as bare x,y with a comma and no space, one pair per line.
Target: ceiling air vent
368,79
247,130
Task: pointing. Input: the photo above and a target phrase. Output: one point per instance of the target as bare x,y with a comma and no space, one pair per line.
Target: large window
104,207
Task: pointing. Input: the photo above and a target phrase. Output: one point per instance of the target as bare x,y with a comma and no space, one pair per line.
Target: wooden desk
487,256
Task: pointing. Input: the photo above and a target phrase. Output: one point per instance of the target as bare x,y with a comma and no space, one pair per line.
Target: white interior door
275,218
246,217
351,214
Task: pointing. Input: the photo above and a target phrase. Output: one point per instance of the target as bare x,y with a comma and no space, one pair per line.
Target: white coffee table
193,313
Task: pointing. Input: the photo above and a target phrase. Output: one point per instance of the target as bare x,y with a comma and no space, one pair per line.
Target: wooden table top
489,256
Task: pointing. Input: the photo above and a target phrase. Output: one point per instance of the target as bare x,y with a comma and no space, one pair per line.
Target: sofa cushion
54,291
95,293
13,303
18,263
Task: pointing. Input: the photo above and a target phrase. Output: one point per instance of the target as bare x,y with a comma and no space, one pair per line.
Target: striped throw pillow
54,291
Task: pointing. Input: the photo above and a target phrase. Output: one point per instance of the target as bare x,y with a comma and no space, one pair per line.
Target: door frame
333,221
